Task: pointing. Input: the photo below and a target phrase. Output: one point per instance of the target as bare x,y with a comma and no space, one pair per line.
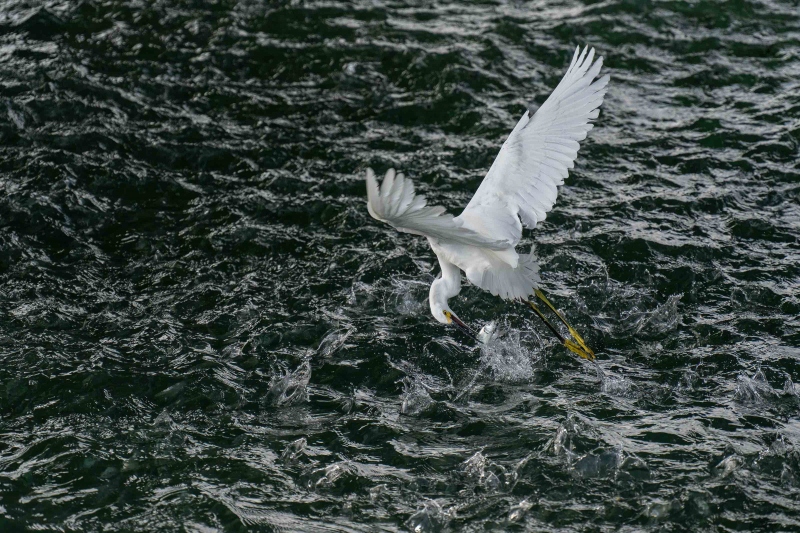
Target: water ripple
204,330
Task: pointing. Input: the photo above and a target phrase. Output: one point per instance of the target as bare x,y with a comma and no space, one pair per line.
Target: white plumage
520,188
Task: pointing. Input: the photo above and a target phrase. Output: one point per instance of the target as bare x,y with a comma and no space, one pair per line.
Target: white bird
520,188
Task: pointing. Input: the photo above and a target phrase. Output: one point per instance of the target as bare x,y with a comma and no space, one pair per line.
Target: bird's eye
447,316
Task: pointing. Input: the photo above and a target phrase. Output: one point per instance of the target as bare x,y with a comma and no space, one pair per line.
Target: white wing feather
396,204
538,154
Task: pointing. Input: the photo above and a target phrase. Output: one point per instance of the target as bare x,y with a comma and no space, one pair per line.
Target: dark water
201,329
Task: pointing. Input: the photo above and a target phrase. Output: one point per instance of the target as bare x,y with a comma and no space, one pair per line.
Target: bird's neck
444,288
450,283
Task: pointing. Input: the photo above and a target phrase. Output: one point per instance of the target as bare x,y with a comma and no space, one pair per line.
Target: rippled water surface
202,329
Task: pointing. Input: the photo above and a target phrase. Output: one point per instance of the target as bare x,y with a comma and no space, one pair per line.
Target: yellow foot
581,348
570,345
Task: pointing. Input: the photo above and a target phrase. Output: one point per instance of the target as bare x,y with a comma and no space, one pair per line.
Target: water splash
600,464
327,476
294,450
148,270
790,388
165,420
415,397
780,460
626,311
664,317
292,387
377,491
481,471
660,509
659,320
753,390
563,441
728,466
334,341
409,297
430,519
474,466
614,384
518,512
507,358
689,379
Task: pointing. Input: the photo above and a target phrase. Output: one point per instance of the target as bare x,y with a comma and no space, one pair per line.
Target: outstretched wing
535,158
396,204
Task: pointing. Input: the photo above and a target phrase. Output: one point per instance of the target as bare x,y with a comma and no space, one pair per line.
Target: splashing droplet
292,387
428,519
415,397
294,450
518,512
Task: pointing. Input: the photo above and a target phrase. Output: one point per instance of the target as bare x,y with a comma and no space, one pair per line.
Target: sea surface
202,329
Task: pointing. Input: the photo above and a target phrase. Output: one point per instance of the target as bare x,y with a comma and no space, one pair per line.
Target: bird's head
443,314
438,301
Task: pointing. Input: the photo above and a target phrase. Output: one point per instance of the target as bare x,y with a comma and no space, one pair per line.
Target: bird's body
520,188
501,272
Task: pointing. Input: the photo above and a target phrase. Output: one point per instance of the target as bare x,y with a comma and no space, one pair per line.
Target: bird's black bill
577,346
462,326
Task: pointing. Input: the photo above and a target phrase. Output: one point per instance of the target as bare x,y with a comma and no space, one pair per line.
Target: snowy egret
520,188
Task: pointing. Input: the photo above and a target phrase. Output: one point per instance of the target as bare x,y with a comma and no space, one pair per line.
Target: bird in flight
519,189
